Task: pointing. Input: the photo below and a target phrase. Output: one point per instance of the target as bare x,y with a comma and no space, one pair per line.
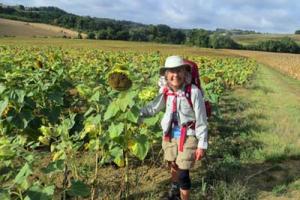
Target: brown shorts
185,159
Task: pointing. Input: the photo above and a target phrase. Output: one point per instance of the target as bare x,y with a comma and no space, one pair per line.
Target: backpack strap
165,93
183,130
188,94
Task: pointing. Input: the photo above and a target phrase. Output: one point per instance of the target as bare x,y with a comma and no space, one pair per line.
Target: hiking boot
172,194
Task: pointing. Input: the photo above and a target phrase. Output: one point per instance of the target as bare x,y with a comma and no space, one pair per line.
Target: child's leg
174,190
185,161
184,183
173,168
170,154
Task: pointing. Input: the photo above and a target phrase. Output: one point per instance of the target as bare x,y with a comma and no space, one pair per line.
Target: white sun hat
174,62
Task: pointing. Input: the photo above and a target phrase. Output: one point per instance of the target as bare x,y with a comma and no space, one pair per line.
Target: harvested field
287,63
26,29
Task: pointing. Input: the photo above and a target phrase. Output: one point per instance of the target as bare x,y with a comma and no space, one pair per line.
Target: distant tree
8,10
122,35
138,34
110,33
91,35
177,37
289,45
297,32
284,45
151,32
79,23
218,41
102,35
21,7
198,37
163,33
202,39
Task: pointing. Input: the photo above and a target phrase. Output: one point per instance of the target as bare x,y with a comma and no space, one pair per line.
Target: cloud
260,15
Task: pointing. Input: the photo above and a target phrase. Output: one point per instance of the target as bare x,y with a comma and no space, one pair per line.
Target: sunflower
119,79
147,94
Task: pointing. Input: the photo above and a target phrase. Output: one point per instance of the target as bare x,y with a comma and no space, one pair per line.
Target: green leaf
118,156
30,158
115,130
3,105
52,114
111,111
78,188
94,119
56,97
152,121
21,94
84,90
29,102
21,177
119,161
55,166
46,131
26,116
214,98
49,190
2,88
140,146
126,99
95,97
131,117
37,192
89,111
4,195
66,125
6,152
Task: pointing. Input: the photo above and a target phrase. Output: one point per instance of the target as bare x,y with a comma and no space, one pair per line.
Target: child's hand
199,154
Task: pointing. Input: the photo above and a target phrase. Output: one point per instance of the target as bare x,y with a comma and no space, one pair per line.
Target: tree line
102,28
96,28
204,38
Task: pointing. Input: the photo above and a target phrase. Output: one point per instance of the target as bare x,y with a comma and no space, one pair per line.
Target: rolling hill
27,29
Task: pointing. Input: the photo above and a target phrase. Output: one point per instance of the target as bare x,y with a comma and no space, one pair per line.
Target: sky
265,16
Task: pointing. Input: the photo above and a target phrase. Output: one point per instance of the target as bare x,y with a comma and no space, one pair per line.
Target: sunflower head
147,94
119,79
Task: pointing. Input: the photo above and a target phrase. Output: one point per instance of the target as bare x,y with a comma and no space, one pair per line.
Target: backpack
195,79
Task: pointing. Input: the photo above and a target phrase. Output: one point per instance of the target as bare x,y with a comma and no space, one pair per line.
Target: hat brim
164,69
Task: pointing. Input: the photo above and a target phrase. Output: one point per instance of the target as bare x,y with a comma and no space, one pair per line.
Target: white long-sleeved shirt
186,113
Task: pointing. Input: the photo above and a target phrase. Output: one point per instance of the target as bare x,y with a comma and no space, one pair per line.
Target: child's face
176,77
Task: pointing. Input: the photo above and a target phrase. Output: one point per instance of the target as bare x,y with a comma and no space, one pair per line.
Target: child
184,124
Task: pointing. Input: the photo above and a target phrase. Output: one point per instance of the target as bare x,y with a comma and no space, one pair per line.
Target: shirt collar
181,90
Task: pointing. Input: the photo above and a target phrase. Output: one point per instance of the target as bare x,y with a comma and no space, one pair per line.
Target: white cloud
259,15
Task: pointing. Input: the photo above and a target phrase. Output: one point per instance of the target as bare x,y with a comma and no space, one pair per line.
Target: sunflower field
60,103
